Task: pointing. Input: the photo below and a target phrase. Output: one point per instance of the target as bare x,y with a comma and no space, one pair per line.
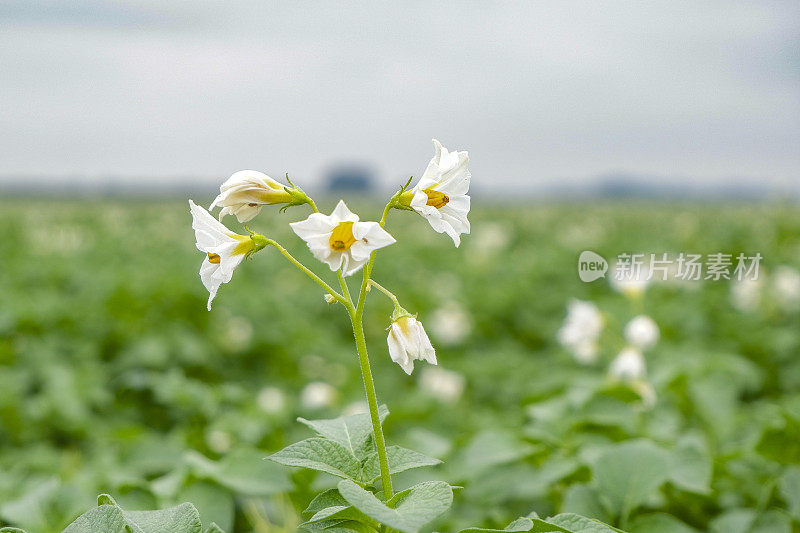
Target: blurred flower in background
642,332
317,395
580,331
450,324
444,385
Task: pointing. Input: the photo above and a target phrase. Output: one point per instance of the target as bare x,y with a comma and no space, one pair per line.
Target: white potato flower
271,400
580,330
224,249
408,342
642,332
340,240
317,395
444,385
786,286
746,294
628,365
441,193
450,324
246,191
632,284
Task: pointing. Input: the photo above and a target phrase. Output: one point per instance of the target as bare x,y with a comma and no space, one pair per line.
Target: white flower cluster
781,288
581,332
340,240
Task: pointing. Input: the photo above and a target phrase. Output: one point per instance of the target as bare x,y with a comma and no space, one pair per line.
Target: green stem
308,272
389,294
372,400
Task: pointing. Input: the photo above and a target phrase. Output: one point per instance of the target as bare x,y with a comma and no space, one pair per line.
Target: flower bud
246,191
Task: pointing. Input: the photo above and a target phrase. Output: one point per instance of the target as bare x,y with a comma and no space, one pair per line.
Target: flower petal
316,225
342,214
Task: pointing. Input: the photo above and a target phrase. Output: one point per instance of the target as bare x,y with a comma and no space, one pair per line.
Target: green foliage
115,378
408,510
111,518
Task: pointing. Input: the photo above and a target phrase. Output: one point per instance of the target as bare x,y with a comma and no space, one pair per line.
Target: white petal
353,265
334,260
359,251
203,220
455,182
438,147
246,212
316,225
397,352
245,177
459,203
372,234
343,214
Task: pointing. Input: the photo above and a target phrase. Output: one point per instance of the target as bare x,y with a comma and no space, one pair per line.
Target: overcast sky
539,92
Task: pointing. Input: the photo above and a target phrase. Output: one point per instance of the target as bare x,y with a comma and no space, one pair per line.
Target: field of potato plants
126,406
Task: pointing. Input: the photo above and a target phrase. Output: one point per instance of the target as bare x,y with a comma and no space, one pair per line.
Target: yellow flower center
213,258
342,237
436,198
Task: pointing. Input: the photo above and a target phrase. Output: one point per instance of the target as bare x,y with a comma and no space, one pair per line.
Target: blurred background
616,127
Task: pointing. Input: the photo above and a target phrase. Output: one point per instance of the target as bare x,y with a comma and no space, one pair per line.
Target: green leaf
243,471
411,509
772,521
214,503
352,432
323,500
520,524
11,530
213,528
183,518
341,512
789,485
492,448
108,517
105,518
29,510
572,523
627,474
320,454
400,460
659,523
349,526
584,500
691,465
733,521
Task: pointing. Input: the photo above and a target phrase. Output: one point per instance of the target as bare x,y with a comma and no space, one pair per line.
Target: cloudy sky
540,93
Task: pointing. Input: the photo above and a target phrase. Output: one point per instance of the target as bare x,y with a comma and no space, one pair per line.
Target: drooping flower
441,193
246,191
628,365
408,342
224,249
642,332
340,240
580,330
